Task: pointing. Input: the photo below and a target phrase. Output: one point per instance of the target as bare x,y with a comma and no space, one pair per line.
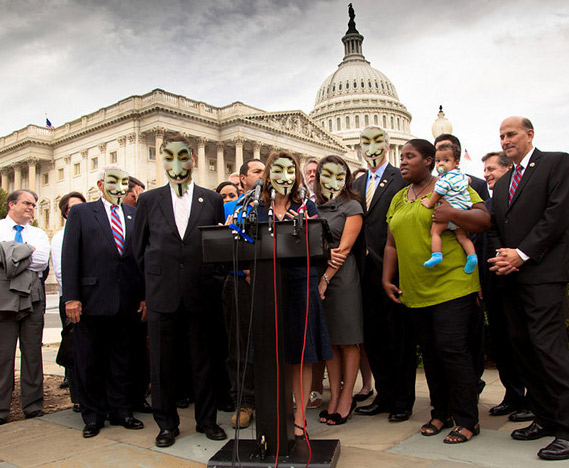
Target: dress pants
29,331
237,312
69,371
138,368
536,321
165,330
443,332
101,345
390,345
504,356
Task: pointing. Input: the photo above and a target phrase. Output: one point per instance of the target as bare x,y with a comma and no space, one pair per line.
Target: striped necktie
18,236
370,190
515,181
116,227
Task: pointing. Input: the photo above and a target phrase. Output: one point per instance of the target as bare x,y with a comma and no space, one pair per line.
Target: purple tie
116,227
515,181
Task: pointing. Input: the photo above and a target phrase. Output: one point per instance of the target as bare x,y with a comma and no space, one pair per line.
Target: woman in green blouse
442,299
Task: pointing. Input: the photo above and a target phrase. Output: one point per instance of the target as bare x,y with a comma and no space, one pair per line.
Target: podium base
325,454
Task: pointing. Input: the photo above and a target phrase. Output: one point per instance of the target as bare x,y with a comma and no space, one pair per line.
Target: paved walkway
56,440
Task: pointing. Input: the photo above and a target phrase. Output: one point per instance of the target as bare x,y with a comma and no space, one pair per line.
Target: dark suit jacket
173,267
537,220
480,186
93,271
374,233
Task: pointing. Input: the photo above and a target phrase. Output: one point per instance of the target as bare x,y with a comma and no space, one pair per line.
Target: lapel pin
129,217
531,164
384,181
200,200
382,184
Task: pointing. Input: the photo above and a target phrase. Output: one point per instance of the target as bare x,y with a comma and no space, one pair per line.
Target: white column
17,177
238,152
4,180
202,168
220,163
32,174
257,150
159,135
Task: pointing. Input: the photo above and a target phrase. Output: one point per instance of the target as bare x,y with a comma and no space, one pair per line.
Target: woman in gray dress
339,286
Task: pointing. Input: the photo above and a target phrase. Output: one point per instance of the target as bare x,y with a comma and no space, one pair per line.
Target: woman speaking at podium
281,181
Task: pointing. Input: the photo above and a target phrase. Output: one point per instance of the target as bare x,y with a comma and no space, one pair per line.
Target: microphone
302,193
257,188
270,210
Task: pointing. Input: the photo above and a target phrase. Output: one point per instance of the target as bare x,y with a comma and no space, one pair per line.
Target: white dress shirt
524,162
31,235
188,195
56,246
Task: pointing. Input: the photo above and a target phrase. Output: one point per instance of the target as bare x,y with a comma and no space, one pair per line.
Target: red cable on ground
276,330
305,332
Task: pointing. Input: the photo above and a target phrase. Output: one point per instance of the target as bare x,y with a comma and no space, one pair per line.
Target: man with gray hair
102,290
21,313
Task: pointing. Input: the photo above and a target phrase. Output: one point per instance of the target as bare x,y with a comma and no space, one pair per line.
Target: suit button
181,266
507,220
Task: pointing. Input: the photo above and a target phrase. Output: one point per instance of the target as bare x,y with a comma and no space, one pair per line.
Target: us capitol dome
357,95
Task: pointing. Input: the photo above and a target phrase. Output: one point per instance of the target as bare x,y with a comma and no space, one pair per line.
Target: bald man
529,246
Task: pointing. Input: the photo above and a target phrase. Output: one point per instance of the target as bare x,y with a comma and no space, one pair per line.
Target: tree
3,209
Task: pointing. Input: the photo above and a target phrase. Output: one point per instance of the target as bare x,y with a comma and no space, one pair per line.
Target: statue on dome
351,23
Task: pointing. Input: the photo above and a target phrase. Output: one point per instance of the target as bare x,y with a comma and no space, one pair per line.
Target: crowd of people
417,256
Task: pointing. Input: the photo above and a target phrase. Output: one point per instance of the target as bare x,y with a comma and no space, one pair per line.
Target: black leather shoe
533,432
64,383
34,414
165,438
213,432
556,450
2,421
502,409
91,430
359,397
400,416
226,407
143,407
128,422
371,410
183,403
521,416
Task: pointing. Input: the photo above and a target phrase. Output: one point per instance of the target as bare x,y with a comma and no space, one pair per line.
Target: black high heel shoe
337,419
323,416
301,436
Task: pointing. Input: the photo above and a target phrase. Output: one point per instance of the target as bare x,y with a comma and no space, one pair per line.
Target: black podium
224,245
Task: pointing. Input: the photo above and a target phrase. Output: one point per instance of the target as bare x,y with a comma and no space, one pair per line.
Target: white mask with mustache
282,175
178,164
375,147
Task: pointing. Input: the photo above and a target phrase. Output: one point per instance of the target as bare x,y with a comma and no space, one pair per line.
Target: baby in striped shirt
453,187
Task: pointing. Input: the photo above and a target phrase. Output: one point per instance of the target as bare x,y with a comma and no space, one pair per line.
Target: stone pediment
298,124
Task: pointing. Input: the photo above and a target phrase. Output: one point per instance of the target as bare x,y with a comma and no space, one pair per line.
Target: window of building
76,169
384,121
391,120
46,218
347,85
398,124
151,153
212,165
114,157
94,164
375,120
338,124
357,121
366,120
228,168
347,122
330,125
340,87
45,179
60,173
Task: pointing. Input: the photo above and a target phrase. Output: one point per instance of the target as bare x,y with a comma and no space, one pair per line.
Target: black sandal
324,415
302,436
434,430
459,436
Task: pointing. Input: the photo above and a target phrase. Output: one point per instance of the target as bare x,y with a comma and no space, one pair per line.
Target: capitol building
53,162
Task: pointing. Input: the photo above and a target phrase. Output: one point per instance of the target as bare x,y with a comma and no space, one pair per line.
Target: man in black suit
514,403
530,238
102,288
389,346
178,287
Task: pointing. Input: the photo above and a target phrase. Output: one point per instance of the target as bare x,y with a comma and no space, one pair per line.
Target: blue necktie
18,236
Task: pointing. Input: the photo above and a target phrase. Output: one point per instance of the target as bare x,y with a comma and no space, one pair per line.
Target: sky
483,61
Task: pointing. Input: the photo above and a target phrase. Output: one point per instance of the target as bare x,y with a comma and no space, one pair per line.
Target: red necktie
515,181
116,227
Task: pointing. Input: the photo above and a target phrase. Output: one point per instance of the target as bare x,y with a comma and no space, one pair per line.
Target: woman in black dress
339,286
